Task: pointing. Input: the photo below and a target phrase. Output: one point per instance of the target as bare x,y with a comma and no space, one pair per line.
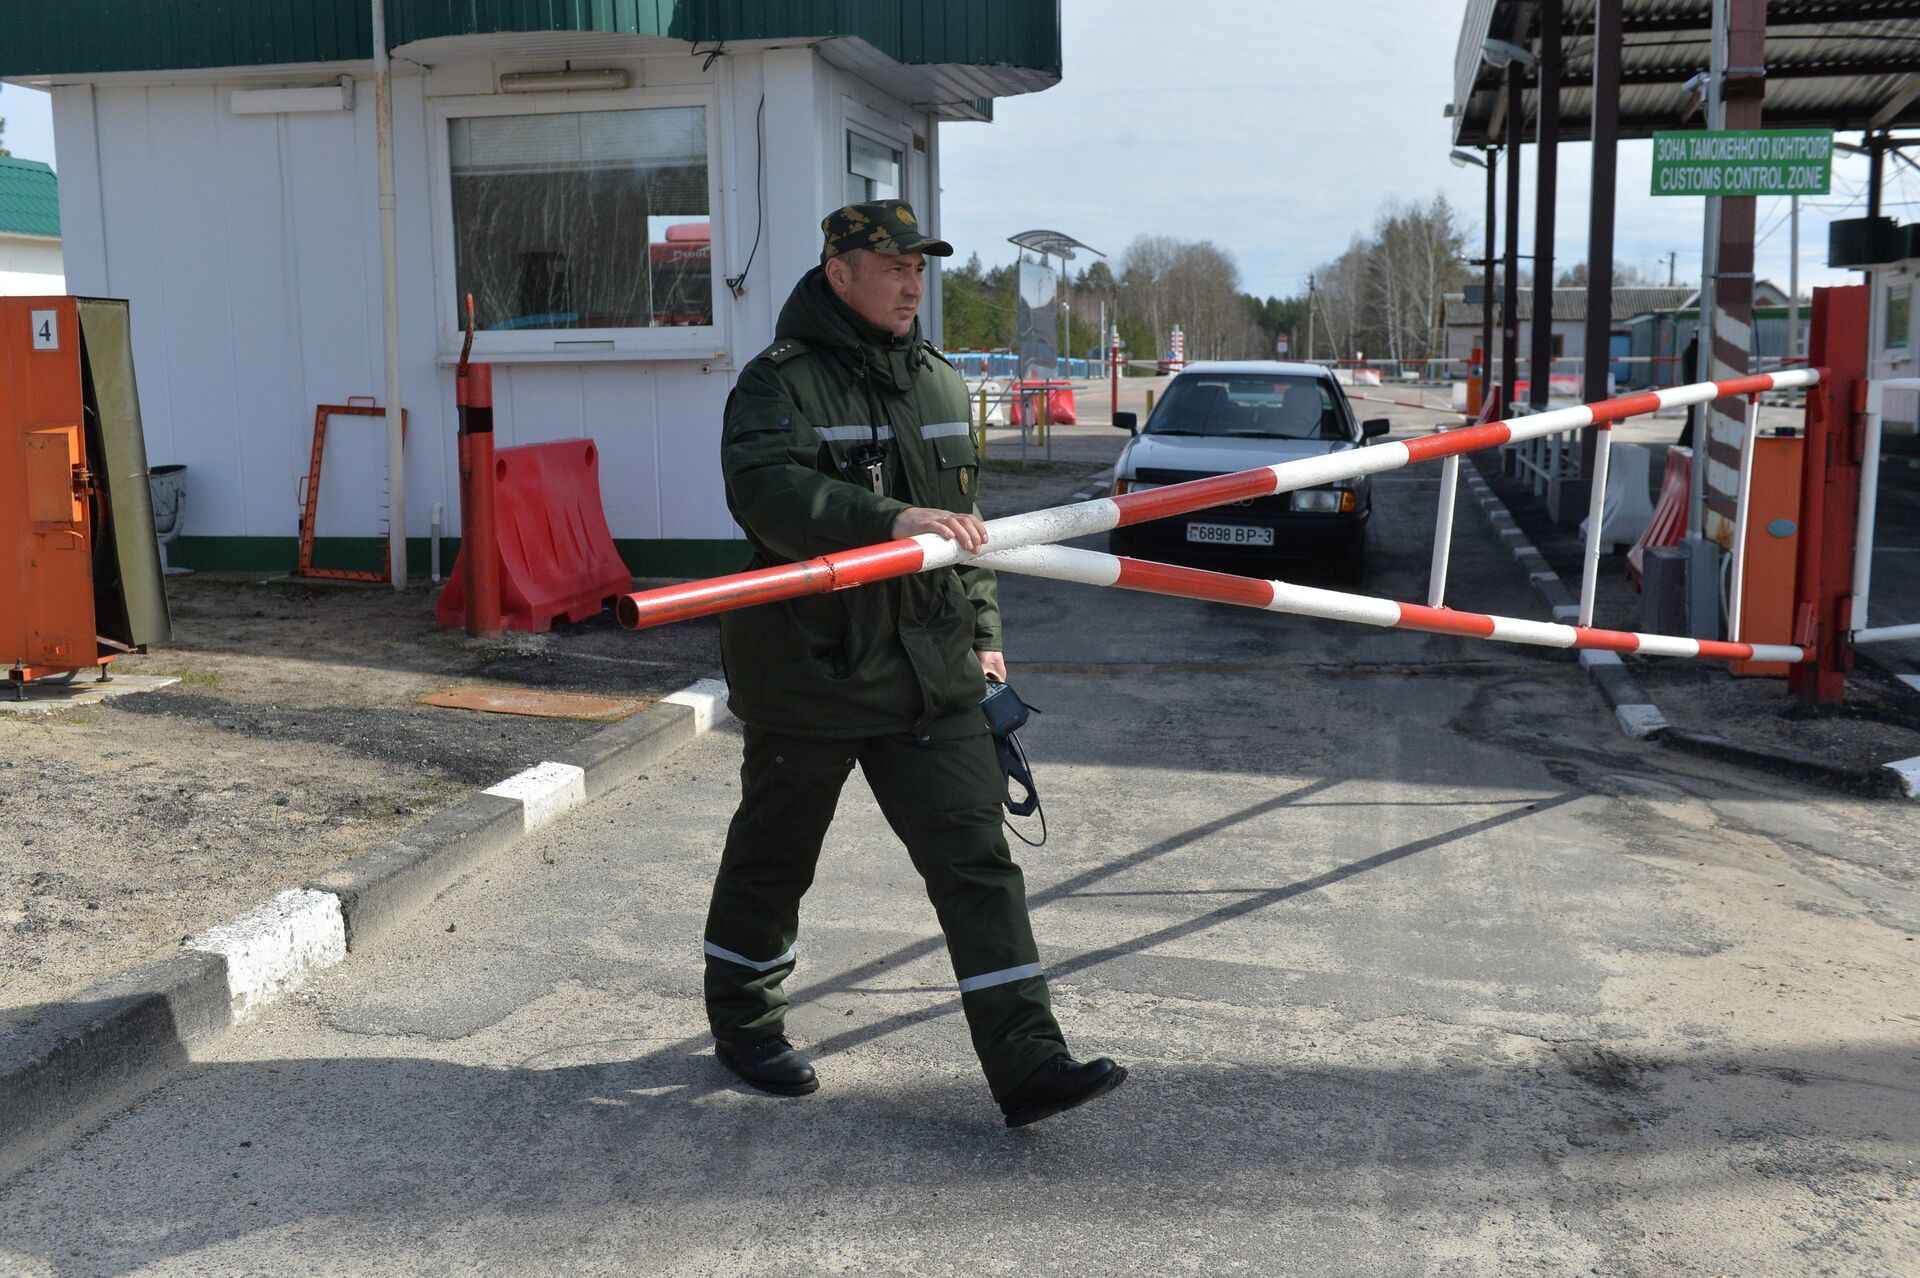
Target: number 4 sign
46,330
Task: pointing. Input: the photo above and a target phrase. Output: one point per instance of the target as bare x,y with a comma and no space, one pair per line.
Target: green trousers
941,794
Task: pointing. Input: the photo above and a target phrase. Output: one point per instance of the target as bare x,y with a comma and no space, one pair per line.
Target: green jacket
897,656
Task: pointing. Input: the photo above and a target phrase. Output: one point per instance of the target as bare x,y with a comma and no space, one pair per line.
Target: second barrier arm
846,569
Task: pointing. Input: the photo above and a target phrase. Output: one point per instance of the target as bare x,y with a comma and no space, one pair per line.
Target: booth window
873,170
1899,315
583,220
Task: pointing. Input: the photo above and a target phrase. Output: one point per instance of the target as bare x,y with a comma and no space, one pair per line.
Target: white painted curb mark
271,948
545,791
1641,719
1909,770
707,698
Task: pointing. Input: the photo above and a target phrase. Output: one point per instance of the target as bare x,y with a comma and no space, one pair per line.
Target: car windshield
1249,406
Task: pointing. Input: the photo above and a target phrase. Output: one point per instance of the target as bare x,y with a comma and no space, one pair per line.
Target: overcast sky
1278,128
1275,128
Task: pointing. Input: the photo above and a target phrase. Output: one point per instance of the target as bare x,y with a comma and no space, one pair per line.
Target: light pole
1492,165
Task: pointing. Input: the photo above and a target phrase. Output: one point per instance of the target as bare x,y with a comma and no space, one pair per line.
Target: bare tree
1384,294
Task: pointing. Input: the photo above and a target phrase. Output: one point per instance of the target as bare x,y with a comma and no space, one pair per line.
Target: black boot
769,1064
1061,1083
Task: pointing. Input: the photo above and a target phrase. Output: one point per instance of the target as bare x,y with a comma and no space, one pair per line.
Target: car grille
1277,504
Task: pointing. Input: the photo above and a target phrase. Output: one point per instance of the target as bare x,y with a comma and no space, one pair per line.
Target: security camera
1498,53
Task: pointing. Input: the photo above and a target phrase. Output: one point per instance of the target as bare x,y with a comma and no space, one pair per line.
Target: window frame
573,345
855,129
1889,341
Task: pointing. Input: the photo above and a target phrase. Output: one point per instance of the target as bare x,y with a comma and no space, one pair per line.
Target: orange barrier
556,558
1059,405
1669,523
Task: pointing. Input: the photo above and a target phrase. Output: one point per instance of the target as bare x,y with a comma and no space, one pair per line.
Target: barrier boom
846,569
1096,568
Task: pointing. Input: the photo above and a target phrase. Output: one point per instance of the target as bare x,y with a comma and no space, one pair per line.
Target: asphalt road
1420,967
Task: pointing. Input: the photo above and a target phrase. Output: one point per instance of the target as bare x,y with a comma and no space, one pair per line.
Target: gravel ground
291,743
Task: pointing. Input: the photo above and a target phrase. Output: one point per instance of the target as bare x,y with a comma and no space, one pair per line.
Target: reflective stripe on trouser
942,798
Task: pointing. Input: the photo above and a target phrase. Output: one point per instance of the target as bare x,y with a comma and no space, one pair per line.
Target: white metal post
1870,495
390,300
1443,532
1793,285
1740,519
1596,515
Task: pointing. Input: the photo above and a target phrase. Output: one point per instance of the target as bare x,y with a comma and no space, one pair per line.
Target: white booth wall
31,266
249,248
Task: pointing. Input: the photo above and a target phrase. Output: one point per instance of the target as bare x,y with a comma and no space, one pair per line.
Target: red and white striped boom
849,568
1096,568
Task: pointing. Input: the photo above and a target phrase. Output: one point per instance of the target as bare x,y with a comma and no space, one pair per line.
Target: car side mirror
1375,427
1129,422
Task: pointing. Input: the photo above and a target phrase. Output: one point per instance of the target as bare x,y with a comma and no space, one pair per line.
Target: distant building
31,264
1650,328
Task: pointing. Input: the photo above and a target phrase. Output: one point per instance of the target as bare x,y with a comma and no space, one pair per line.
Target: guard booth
80,579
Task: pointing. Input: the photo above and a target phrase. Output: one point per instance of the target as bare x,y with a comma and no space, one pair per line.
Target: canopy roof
1841,64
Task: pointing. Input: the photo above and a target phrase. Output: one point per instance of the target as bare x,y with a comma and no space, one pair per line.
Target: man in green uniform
851,430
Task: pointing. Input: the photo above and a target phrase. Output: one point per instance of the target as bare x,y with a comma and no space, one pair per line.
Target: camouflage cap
885,226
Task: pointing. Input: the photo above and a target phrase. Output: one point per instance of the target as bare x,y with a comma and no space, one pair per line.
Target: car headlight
1324,501
1125,485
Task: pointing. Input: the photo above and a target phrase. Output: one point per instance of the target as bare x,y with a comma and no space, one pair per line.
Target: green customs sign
1743,162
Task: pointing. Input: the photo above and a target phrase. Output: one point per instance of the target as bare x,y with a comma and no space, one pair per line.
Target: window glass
1258,405
873,170
1899,314
589,219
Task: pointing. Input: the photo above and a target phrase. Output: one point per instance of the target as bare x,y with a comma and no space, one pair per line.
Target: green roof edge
99,37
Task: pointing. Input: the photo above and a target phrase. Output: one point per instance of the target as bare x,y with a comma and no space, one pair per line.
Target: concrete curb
75,1062
1633,710
1872,783
1636,713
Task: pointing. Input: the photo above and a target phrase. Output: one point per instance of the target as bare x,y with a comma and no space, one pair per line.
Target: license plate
1229,535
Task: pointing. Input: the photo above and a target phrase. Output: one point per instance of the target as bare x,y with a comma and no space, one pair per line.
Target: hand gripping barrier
557,560
847,569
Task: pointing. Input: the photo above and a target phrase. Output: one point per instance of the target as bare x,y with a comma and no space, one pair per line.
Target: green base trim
644,557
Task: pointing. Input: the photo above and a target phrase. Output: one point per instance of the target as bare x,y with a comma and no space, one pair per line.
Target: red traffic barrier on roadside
1669,522
556,556
1025,400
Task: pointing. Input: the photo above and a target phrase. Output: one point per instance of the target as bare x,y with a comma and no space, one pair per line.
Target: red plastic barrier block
557,561
1060,410
1669,523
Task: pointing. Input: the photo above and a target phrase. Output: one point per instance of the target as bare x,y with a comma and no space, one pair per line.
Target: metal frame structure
1609,69
357,406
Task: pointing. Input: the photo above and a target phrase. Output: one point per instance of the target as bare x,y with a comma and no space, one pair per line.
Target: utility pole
1309,316
1793,285
1672,257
